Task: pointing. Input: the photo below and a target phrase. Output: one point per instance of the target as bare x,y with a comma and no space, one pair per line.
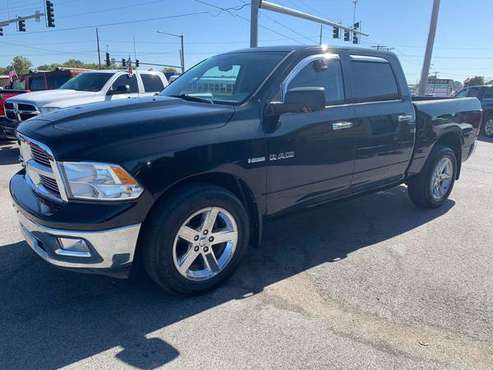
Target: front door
125,80
310,154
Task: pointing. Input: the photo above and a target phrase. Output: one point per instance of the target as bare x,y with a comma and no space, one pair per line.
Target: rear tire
488,127
179,250
432,187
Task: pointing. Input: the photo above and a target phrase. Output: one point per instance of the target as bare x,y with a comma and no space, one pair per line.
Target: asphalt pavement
368,283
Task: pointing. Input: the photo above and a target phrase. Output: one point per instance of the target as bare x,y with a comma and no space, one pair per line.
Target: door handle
341,125
405,118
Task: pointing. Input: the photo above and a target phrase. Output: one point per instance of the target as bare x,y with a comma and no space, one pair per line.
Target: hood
55,98
75,133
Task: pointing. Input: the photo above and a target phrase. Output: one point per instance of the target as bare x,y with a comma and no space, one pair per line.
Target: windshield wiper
193,98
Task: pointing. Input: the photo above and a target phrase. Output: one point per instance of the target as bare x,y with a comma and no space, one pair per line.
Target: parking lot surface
369,283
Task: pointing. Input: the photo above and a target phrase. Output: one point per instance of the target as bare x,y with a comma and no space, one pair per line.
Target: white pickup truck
87,87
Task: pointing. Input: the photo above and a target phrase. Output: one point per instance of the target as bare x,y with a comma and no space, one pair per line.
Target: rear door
151,83
385,119
310,154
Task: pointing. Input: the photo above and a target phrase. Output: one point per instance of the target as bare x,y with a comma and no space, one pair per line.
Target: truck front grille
20,111
41,169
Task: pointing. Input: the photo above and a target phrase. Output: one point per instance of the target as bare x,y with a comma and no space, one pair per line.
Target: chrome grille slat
39,155
50,184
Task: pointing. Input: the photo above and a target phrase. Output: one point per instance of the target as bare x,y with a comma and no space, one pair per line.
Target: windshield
230,78
87,82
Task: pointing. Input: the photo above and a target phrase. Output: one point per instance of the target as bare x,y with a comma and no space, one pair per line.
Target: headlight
99,181
48,109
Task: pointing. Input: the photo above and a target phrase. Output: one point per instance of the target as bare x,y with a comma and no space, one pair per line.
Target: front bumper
109,252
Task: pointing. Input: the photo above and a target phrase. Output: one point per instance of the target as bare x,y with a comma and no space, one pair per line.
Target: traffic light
347,35
1,31
137,62
21,25
356,26
108,61
355,39
335,32
50,14
124,62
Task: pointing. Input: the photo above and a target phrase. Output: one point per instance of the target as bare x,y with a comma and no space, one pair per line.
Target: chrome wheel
488,127
441,179
205,244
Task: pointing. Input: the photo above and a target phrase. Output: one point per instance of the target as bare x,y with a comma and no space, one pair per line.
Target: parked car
485,95
50,80
7,130
185,180
87,87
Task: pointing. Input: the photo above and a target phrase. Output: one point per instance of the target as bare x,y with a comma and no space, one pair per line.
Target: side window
152,82
373,81
324,73
488,93
462,93
126,80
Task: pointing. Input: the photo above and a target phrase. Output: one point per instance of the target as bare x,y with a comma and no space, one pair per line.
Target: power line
229,11
117,23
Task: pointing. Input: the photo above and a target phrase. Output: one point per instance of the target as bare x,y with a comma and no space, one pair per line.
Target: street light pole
182,50
429,48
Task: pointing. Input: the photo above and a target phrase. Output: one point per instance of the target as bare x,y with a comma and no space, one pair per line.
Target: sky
462,45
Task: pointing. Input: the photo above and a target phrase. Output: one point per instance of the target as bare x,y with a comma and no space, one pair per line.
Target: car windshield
229,78
87,82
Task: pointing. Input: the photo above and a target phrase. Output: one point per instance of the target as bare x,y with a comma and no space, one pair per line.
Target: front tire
195,240
432,187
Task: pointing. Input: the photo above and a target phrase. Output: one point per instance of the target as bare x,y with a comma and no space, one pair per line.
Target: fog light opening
73,247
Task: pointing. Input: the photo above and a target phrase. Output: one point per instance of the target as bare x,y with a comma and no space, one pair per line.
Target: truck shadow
9,153
53,318
486,139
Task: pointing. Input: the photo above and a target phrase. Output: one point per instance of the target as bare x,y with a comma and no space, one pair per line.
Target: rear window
373,81
37,83
152,82
55,81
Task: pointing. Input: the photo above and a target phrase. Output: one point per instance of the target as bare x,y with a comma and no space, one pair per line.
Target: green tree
21,65
3,71
457,85
472,81
170,70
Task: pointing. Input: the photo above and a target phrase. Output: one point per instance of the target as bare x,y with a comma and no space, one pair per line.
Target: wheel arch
230,182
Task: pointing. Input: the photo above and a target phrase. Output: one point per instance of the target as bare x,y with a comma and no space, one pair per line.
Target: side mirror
120,89
300,99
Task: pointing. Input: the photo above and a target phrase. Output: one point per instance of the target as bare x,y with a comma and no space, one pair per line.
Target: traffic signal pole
267,5
429,48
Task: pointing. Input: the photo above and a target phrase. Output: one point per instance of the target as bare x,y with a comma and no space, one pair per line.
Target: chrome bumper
103,252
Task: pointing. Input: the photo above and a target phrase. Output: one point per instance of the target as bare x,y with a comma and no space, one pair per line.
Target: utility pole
321,34
429,48
355,3
99,50
254,23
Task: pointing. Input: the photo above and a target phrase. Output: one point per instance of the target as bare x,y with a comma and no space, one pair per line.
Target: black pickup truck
181,183
485,95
